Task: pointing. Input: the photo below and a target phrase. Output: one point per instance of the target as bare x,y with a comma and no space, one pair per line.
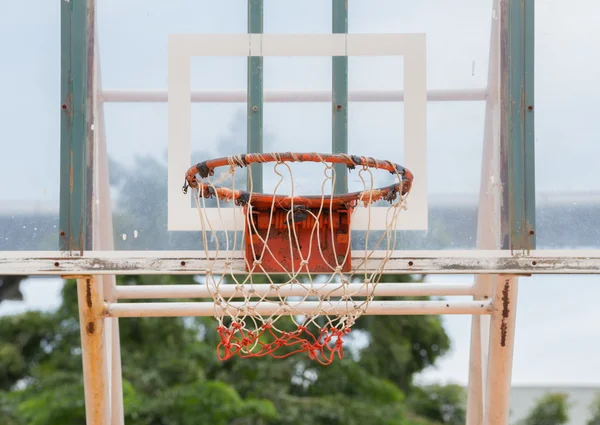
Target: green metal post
529,130
517,79
77,38
255,94
340,96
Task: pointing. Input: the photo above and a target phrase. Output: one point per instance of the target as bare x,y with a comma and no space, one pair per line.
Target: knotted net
299,246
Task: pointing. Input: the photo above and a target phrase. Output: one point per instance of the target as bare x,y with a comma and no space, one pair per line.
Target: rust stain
71,177
90,328
88,293
505,311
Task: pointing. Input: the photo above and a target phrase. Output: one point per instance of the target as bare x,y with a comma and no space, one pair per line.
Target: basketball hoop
286,237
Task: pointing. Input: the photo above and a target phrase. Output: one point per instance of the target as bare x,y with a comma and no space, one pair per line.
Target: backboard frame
499,259
484,262
80,128
412,47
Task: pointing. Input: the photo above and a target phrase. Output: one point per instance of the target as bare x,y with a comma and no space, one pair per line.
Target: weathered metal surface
400,262
174,309
260,200
92,311
77,58
339,70
206,168
139,292
517,132
501,349
255,94
279,242
529,227
489,227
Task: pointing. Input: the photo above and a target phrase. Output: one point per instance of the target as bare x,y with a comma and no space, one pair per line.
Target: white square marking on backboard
181,216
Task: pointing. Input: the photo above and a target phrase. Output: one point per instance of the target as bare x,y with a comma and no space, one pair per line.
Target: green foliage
551,409
401,346
12,364
199,402
10,288
595,411
337,409
52,399
443,404
172,376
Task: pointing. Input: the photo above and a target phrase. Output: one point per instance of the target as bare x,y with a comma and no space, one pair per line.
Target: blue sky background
558,321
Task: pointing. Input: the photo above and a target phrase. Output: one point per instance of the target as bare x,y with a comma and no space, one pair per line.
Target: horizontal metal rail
140,292
175,309
399,262
284,96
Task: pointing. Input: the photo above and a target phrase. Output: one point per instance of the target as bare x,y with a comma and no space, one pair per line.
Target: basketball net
300,240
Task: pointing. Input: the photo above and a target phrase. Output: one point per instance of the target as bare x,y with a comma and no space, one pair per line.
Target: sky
558,324
133,49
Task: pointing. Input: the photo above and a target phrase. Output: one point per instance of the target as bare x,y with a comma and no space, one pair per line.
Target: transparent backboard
425,97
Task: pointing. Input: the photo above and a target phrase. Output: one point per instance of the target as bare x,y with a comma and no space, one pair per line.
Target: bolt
530,107
255,108
339,107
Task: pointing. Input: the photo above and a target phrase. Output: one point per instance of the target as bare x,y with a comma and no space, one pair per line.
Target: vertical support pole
255,95
104,240
517,53
340,96
529,125
502,339
489,226
95,373
477,366
77,41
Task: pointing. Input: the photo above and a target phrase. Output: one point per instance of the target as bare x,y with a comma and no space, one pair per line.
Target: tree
595,411
443,404
163,369
10,288
171,375
551,409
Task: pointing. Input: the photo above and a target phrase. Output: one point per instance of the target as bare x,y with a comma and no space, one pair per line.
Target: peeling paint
505,312
92,263
88,293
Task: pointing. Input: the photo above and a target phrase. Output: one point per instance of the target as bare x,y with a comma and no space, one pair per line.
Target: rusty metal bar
103,240
176,309
501,348
94,356
399,262
139,292
489,228
77,41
